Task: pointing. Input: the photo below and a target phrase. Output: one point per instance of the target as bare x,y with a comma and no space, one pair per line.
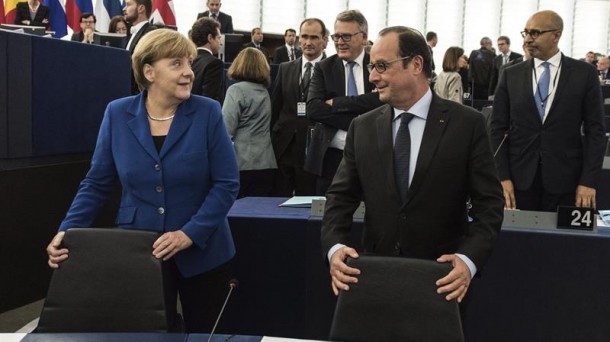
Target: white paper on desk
284,339
604,216
301,201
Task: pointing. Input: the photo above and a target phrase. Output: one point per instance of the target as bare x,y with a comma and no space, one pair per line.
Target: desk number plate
575,218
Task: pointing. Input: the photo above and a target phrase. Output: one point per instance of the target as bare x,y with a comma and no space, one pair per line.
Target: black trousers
201,297
332,159
290,178
537,198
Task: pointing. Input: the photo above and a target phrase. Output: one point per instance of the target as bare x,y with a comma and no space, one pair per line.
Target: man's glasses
88,22
381,67
535,33
345,36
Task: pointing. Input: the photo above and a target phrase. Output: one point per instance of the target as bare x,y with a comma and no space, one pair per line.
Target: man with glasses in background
547,124
339,91
87,28
414,162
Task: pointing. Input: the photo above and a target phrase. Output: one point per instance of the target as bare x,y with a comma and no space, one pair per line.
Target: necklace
154,118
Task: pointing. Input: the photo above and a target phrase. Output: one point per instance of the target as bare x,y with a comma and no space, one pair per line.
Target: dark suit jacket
565,157
495,69
281,54
262,49
225,20
144,30
455,163
196,172
22,12
285,124
328,82
209,77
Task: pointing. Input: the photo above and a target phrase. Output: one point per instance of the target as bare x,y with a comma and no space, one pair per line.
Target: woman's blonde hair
250,65
156,45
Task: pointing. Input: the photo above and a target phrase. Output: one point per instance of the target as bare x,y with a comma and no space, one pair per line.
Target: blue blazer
190,185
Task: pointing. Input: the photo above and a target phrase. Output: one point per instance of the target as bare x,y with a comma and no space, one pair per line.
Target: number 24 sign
576,218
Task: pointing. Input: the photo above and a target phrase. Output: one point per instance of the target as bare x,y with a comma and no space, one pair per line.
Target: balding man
602,67
548,124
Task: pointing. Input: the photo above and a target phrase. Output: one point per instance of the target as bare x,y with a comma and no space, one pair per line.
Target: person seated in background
289,51
225,20
247,116
32,13
209,78
87,28
602,67
449,82
118,24
173,158
257,40
590,58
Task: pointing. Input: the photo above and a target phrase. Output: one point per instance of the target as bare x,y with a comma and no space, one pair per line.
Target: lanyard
543,101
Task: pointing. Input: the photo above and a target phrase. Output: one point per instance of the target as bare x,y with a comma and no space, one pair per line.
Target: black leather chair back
110,282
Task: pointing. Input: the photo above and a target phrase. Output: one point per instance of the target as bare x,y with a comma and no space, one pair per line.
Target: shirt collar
359,60
554,61
420,108
313,62
135,28
206,49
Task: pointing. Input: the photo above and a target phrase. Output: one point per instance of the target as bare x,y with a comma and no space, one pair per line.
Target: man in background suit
603,64
479,67
287,52
339,91
414,162
540,109
289,122
225,20
505,57
257,41
208,70
137,14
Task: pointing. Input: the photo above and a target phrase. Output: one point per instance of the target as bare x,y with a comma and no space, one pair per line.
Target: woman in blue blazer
178,172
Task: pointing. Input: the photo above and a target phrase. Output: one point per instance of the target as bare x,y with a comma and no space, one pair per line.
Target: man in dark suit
339,92
505,57
87,28
289,122
225,20
257,41
548,124
208,70
479,68
415,162
287,52
137,14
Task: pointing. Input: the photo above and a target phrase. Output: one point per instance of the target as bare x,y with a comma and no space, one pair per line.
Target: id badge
301,106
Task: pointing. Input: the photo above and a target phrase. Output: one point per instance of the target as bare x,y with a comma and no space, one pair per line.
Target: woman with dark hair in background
32,13
449,82
118,24
247,115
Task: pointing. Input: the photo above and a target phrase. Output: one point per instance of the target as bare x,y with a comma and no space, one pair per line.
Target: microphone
233,283
501,143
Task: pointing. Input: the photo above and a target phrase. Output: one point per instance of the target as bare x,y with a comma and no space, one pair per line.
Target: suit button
157,167
158,188
403,216
161,210
397,246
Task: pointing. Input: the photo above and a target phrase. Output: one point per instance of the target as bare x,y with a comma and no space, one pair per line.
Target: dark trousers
256,183
332,159
537,198
290,178
201,297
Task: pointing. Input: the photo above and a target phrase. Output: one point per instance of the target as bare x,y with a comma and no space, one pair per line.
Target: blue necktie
542,90
402,155
352,90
